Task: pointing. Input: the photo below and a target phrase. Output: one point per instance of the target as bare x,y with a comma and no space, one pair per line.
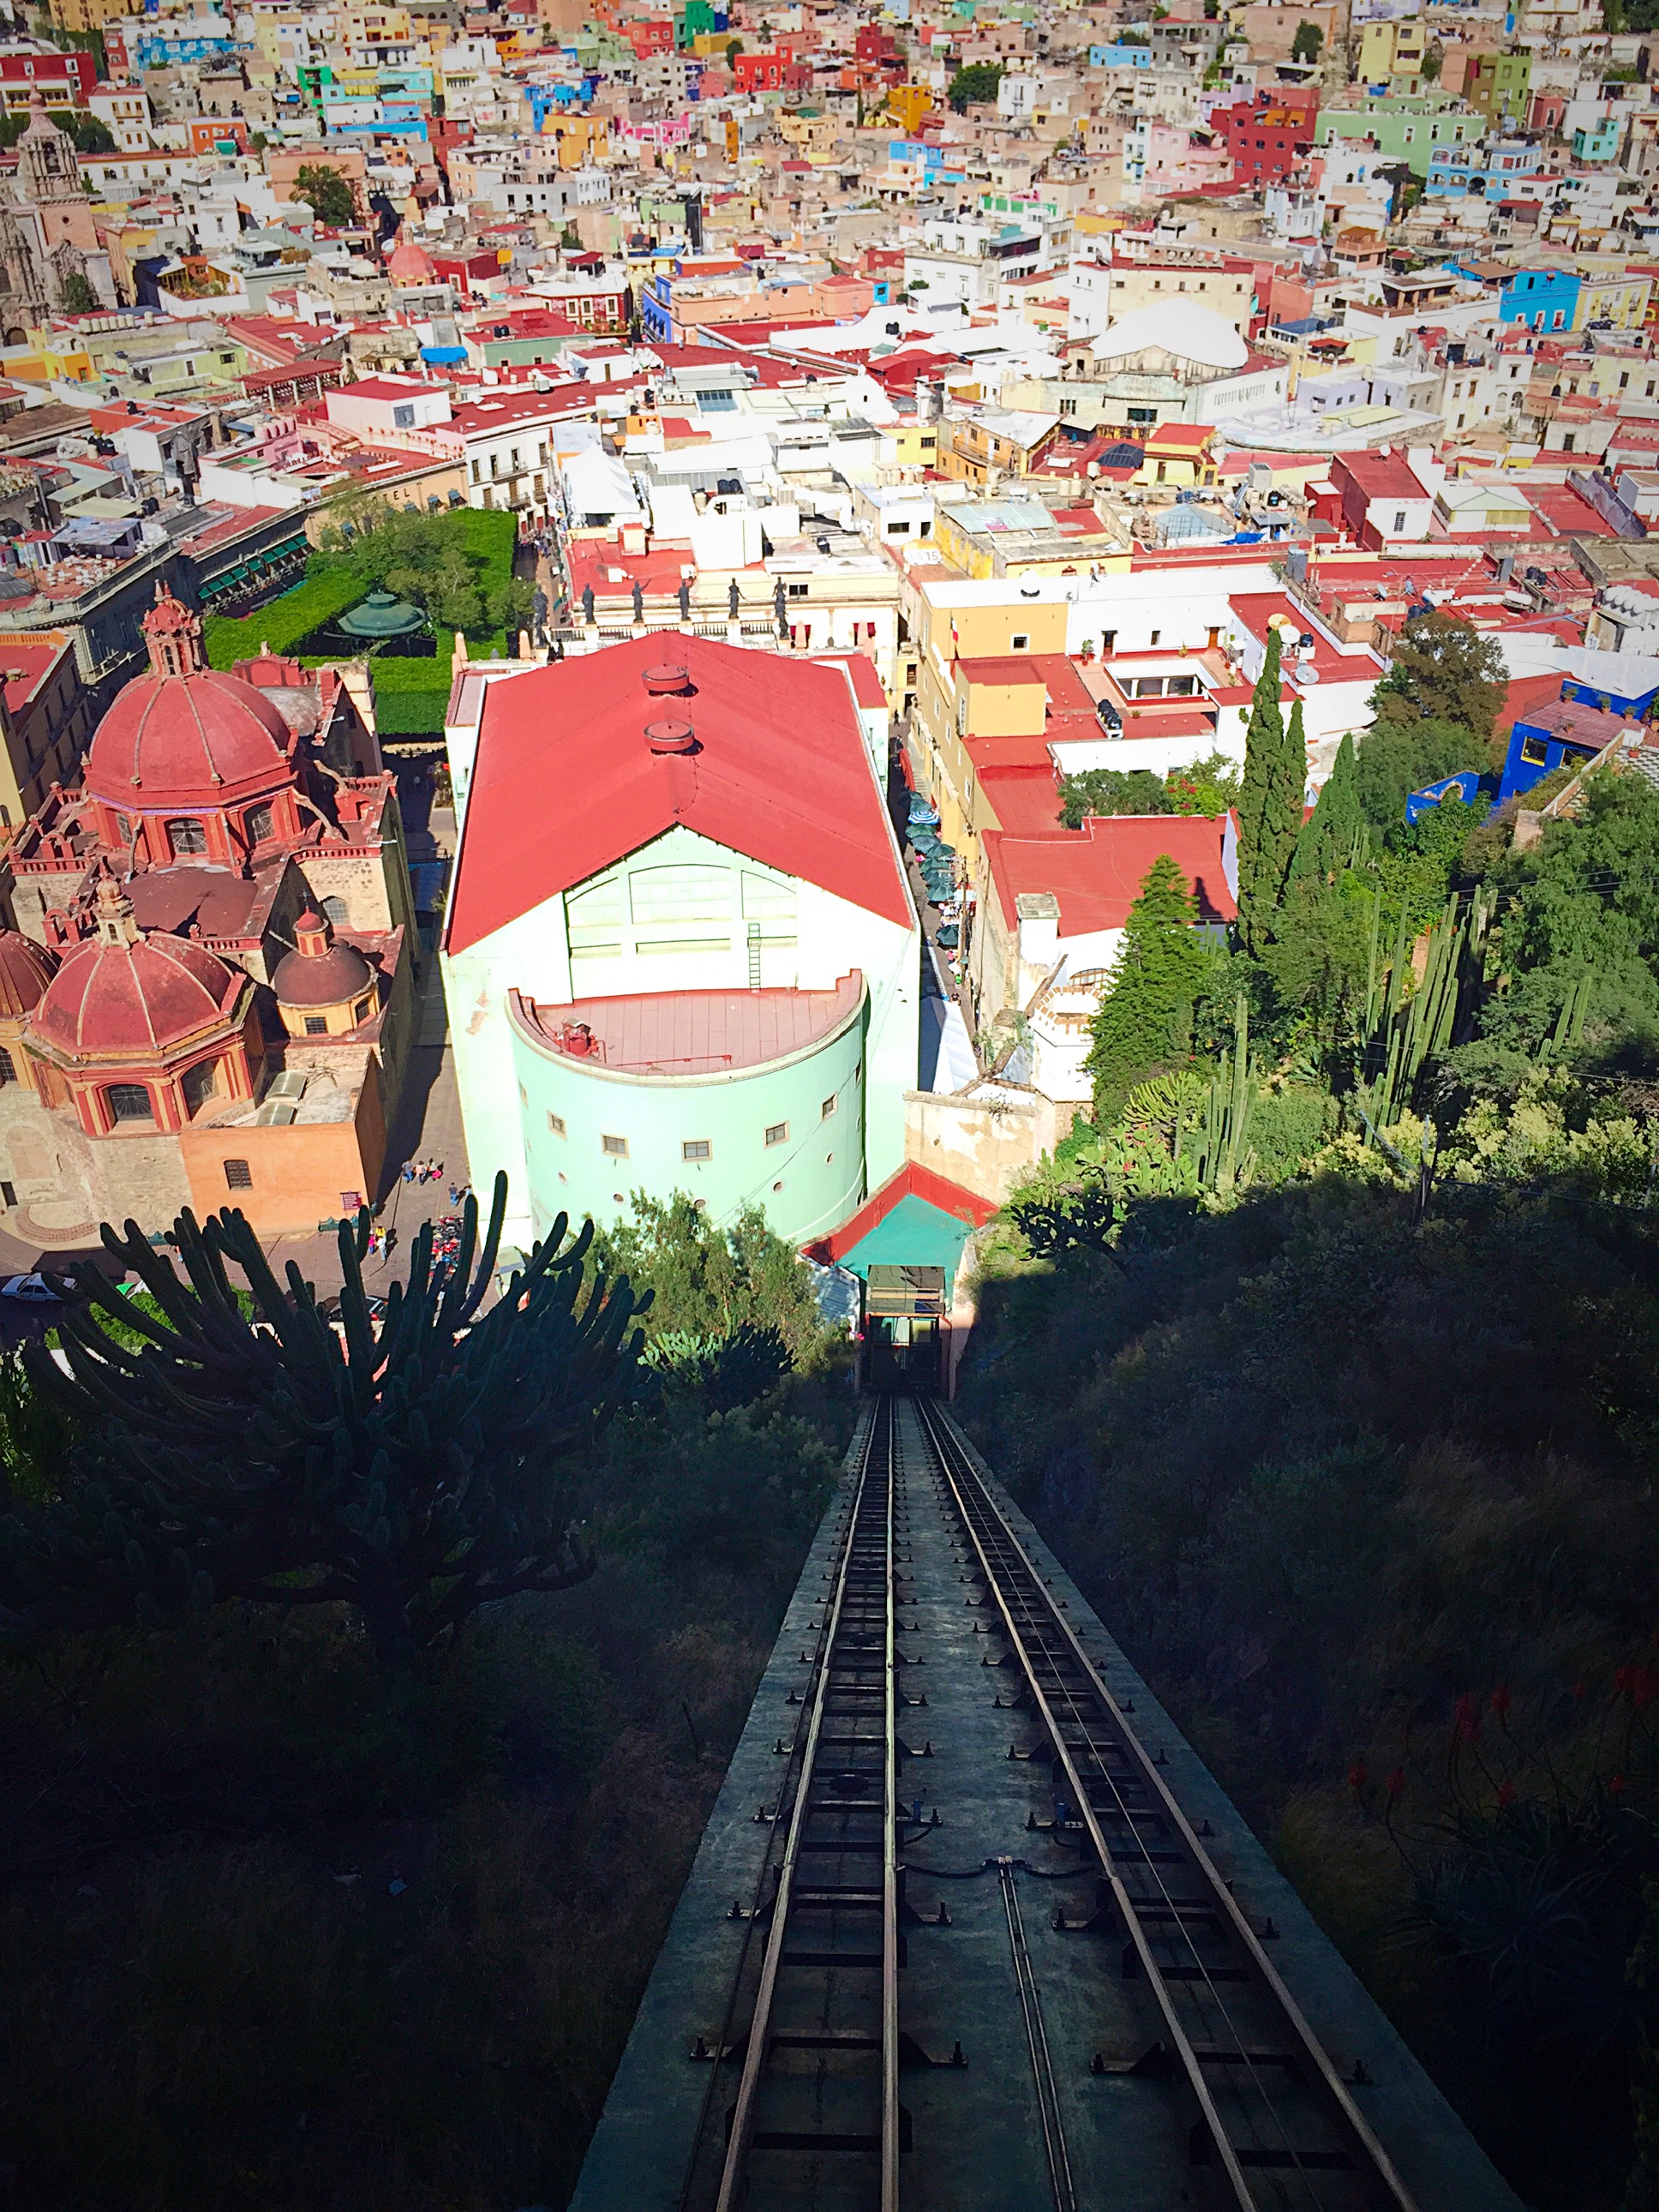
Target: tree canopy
1145,1020
975,83
1441,671
1207,786
424,558
326,192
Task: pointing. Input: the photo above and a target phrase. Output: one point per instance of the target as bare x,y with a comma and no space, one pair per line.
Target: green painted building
1407,127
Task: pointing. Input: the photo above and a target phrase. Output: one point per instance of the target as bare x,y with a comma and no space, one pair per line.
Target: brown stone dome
319,972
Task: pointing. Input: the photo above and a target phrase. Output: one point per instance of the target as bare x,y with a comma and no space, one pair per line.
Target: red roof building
764,755
680,935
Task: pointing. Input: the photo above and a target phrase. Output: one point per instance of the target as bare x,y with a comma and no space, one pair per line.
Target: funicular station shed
904,1246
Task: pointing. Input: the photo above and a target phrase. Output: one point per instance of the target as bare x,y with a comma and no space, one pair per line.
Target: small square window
778,1134
238,1175
1019,643
615,1147
1534,751
826,1110
316,1025
1157,634
697,1148
555,1124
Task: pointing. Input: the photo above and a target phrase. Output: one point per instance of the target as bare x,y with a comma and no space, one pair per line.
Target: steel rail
1049,2115
889,2030
880,1437
964,1482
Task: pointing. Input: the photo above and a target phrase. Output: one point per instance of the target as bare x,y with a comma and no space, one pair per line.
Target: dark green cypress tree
1264,741
1145,1021
1281,819
1328,837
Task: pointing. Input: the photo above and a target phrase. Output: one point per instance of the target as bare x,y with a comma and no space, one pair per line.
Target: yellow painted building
1391,54
909,445
86,14
907,104
1613,295
581,140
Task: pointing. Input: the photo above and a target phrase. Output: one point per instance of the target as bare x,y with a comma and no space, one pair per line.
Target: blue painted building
1599,144
1469,785
1564,735
1541,299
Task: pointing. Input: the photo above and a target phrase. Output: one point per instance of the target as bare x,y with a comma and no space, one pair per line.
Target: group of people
425,1171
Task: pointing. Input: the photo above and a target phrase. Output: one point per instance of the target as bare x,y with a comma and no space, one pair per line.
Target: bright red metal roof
1097,872
566,783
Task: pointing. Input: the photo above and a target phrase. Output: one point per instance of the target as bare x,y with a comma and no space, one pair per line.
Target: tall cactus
1223,1158
1404,1035
412,1474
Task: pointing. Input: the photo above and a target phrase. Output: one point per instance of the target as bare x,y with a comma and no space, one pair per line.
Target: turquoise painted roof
913,1235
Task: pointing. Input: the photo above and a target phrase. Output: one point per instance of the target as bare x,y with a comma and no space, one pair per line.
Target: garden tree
1269,802
1395,758
1106,791
1145,1021
975,83
1434,56
1401,179
79,298
1328,840
733,48
1442,671
1305,45
1264,734
1580,921
326,192
708,1281
91,134
411,1476
1207,786
423,558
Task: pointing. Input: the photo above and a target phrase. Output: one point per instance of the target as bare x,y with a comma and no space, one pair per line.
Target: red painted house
1268,136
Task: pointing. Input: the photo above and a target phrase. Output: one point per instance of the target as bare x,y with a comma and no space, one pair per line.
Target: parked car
33,1290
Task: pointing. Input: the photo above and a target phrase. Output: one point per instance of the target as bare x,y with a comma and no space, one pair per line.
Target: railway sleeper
1268,2157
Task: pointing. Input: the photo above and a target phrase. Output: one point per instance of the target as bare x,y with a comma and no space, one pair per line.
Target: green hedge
410,695
286,622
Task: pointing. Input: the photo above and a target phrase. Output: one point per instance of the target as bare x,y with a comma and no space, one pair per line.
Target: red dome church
228,825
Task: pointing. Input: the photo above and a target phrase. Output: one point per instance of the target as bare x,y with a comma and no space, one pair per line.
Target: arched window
199,1084
260,825
336,911
129,1101
187,836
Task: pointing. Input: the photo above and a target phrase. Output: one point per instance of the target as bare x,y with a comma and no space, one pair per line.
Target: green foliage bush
283,1928
287,622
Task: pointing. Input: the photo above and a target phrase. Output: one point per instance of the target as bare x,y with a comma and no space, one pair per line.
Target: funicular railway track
1271,2114
818,2052
1214,2065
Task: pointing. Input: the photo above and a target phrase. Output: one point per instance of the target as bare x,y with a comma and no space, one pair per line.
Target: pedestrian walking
409,1170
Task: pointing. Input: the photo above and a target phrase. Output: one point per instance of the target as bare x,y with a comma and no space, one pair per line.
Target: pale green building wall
810,950
809,1180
